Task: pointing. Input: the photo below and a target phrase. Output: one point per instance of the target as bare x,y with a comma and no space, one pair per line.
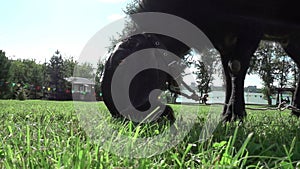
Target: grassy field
47,134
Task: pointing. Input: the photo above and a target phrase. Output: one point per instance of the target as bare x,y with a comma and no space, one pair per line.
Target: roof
80,80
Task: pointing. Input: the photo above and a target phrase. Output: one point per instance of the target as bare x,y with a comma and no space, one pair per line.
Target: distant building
251,89
82,89
217,88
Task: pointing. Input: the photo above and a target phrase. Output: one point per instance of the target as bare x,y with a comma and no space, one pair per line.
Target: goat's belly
270,11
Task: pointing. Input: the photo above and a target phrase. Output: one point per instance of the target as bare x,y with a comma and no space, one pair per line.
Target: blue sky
35,29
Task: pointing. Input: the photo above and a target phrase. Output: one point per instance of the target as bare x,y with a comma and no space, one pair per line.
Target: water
219,97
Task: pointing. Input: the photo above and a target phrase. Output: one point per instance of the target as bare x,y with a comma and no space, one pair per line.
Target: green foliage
264,63
56,77
267,92
129,25
56,69
85,70
294,74
206,66
28,74
274,67
4,64
69,66
132,7
4,76
21,94
26,71
35,78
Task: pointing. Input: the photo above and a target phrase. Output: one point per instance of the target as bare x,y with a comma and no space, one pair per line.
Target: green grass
48,134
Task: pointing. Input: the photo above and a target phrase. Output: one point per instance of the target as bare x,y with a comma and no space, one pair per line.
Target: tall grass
47,134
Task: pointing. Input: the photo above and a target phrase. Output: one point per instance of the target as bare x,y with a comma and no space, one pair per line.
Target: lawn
48,134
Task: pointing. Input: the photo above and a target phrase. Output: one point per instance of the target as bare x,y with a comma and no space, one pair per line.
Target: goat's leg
238,65
228,85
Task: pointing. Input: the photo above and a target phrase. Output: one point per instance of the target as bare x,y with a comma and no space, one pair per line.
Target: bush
21,94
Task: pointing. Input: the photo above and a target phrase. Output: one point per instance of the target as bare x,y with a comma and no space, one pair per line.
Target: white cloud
111,1
114,17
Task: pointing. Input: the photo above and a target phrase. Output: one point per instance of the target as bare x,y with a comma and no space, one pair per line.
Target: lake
219,97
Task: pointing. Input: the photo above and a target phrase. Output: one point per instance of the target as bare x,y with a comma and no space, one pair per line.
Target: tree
34,79
26,76
202,76
69,66
265,64
283,66
5,66
206,67
129,25
18,72
132,7
18,77
85,70
294,74
56,74
274,67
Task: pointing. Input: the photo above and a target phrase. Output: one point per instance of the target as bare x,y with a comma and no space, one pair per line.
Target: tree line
21,79
25,78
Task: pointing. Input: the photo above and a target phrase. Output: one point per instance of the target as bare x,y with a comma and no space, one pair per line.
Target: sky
35,29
